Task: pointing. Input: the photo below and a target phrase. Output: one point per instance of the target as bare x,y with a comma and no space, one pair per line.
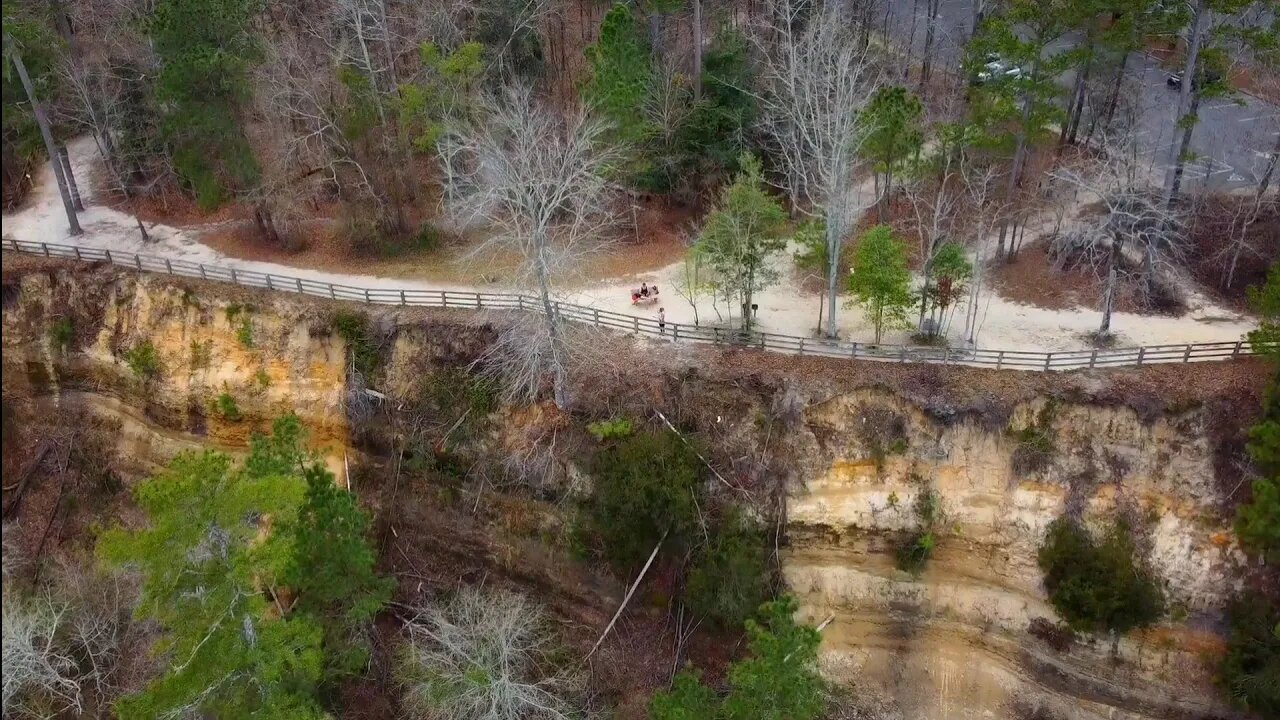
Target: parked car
997,68
1174,80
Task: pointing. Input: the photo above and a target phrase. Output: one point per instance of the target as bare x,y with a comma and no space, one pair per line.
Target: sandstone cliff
847,446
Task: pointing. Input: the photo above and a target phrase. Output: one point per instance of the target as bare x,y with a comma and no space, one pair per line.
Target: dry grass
655,243
1213,224
1031,280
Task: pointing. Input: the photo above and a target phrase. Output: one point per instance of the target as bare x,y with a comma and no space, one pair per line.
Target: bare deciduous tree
814,79
980,188
536,181
38,671
98,100
1134,220
486,655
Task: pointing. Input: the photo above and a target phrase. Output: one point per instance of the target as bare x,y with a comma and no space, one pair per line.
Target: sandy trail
784,308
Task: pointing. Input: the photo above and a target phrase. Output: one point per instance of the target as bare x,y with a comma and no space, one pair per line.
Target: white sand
1004,325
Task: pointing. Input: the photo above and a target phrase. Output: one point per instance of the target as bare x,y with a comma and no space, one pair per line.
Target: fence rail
999,359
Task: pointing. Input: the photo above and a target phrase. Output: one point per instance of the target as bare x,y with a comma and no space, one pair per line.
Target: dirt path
784,308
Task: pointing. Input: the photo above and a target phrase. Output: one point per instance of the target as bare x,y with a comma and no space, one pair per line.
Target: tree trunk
553,329
1079,112
655,33
868,17
835,223
875,178
927,64
911,39
65,158
266,226
822,298
927,271
1235,260
1191,69
697,50
42,119
1076,105
60,20
1114,100
882,192
1019,154
1184,147
1265,182
924,302
1109,294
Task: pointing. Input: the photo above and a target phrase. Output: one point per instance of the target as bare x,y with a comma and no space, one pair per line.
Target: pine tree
260,577
332,571
621,71
1258,521
209,563
894,117
779,679
206,48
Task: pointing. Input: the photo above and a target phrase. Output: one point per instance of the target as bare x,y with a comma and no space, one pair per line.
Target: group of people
651,293
644,293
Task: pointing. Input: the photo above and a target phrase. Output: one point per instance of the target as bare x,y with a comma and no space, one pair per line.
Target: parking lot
1231,143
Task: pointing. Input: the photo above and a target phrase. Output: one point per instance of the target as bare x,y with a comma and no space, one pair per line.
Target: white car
997,69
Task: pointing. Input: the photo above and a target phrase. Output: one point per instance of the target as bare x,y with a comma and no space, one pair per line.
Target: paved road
1232,141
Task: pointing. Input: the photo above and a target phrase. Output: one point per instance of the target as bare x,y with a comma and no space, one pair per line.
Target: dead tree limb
631,591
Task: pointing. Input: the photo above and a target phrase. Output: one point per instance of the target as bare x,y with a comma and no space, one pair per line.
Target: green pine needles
260,577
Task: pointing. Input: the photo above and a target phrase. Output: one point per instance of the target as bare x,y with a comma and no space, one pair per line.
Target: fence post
902,354
233,276
1048,357
45,247
333,294
269,286
675,332
366,295
77,249
168,266
946,355
110,261
298,282
802,346
595,316
202,275
137,259
716,330
520,303
1142,351
1093,358
478,303
402,303
1235,353
635,322
1186,355
999,359
853,349
444,299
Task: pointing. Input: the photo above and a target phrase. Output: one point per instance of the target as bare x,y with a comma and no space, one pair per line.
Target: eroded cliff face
955,641
203,353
